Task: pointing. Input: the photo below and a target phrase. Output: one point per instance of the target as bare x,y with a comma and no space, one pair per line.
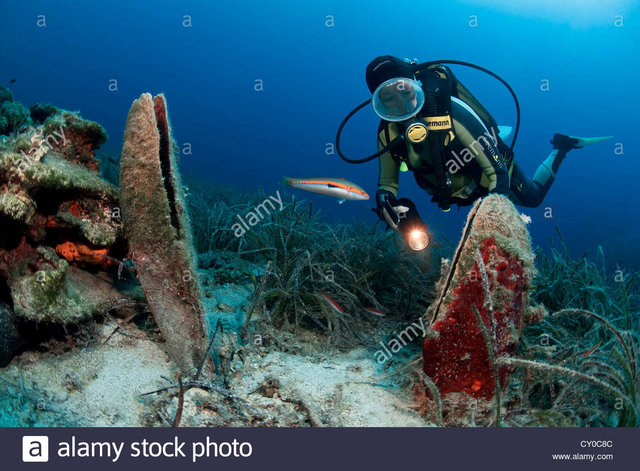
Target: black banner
321,449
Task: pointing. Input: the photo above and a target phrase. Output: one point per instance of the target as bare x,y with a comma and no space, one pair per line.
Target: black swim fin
566,143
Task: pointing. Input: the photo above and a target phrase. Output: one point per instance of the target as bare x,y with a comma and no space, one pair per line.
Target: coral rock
158,230
490,275
13,115
5,94
77,138
45,288
41,111
52,196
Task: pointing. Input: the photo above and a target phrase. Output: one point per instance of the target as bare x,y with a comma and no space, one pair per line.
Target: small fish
375,312
334,305
12,80
336,187
589,352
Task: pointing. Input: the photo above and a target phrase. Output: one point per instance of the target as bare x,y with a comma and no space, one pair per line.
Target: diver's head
396,95
383,68
398,99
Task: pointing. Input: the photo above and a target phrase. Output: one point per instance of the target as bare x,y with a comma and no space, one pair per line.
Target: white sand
96,386
317,384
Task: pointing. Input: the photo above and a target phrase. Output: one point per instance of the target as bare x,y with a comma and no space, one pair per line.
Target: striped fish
589,352
336,187
374,311
334,305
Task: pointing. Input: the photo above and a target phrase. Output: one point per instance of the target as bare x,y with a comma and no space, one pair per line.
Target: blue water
311,58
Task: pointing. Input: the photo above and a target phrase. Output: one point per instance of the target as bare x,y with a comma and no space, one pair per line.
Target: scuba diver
432,125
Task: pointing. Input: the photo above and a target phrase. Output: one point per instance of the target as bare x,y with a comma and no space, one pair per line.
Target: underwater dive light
414,231
418,240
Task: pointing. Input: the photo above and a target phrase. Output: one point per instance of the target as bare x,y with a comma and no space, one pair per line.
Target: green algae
13,115
55,173
17,206
76,129
37,296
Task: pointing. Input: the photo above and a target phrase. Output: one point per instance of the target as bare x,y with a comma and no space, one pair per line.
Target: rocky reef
62,235
483,302
64,242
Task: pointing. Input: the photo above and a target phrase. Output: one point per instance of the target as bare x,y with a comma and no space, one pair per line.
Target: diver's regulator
416,132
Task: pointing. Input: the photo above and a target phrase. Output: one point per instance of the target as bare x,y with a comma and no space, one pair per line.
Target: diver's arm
490,161
389,174
476,139
496,172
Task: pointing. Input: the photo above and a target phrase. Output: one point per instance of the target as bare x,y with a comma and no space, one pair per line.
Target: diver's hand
390,209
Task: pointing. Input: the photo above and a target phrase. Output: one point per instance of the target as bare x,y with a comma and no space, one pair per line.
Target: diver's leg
546,173
531,192
524,191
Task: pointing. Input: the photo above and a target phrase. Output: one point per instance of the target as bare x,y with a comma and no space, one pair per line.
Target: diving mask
398,99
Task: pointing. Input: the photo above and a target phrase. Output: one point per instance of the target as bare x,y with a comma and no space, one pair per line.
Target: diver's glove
564,143
390,209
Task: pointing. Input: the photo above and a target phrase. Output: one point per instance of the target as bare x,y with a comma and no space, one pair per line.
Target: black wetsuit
476,160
